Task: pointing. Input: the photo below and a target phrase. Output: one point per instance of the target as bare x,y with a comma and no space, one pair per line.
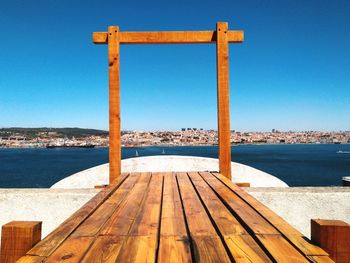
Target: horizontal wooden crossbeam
168,37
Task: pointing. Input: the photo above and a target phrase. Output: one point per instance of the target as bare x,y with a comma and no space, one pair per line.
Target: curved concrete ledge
98,175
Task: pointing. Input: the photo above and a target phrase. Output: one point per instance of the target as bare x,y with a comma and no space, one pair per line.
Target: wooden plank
71,250
56,237
114,103
241,245
223,218
148,218
172,37
174,245
293,235
333,236
172,221
320,259
17,237
206,243
121,220
223,96
92,225
105,249
142,239
198,221
244,249
280,249
174,249
31,259
246,214
138,249
209,249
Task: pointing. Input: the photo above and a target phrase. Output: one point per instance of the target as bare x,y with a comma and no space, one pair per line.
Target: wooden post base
17,238
333,236
243,184
101,186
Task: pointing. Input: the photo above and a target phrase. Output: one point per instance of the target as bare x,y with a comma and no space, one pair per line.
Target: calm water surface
297,165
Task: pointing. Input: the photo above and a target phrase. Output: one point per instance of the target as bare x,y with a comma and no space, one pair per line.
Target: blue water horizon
295,164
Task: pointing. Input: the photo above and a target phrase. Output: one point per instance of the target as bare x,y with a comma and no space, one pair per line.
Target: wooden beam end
333,236
243,184
99,37
17,238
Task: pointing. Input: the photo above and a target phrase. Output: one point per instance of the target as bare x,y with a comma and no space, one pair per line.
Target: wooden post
223,92
333,236
17,238
114,103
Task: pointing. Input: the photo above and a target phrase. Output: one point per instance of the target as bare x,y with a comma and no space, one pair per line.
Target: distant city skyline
291,73
179,129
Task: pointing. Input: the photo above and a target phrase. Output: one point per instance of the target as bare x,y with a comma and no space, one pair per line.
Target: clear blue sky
291,73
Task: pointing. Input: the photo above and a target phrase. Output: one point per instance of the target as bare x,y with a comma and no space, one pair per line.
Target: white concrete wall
99,175
51,206
296,205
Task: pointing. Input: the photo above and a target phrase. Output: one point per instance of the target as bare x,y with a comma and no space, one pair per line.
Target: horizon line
170,130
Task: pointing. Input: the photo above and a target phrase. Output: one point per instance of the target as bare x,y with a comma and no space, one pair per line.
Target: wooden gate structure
221,36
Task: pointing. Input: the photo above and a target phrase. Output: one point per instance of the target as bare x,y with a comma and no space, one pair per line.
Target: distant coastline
172,145
78,137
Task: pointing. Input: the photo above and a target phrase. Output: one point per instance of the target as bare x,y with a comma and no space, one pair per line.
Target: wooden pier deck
174,217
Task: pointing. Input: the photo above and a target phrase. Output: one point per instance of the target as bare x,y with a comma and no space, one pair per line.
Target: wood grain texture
223,218
205,241
333,236
223,97
209,249
138,249
280,249
71,250
254,222
114,103
293,235
142,239
198,221
147,220
105,249
244,249
242,246
172,221
174,245
120,222
30,259
320,259
17,237
56,237
173,37
174,249
92,225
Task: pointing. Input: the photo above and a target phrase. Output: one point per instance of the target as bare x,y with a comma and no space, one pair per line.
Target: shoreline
183,145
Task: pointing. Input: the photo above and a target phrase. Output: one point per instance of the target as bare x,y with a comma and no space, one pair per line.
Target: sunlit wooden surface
174,217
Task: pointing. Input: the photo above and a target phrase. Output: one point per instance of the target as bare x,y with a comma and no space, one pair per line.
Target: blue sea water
297,165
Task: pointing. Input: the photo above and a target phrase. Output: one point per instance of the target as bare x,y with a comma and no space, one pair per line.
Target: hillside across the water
31,133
